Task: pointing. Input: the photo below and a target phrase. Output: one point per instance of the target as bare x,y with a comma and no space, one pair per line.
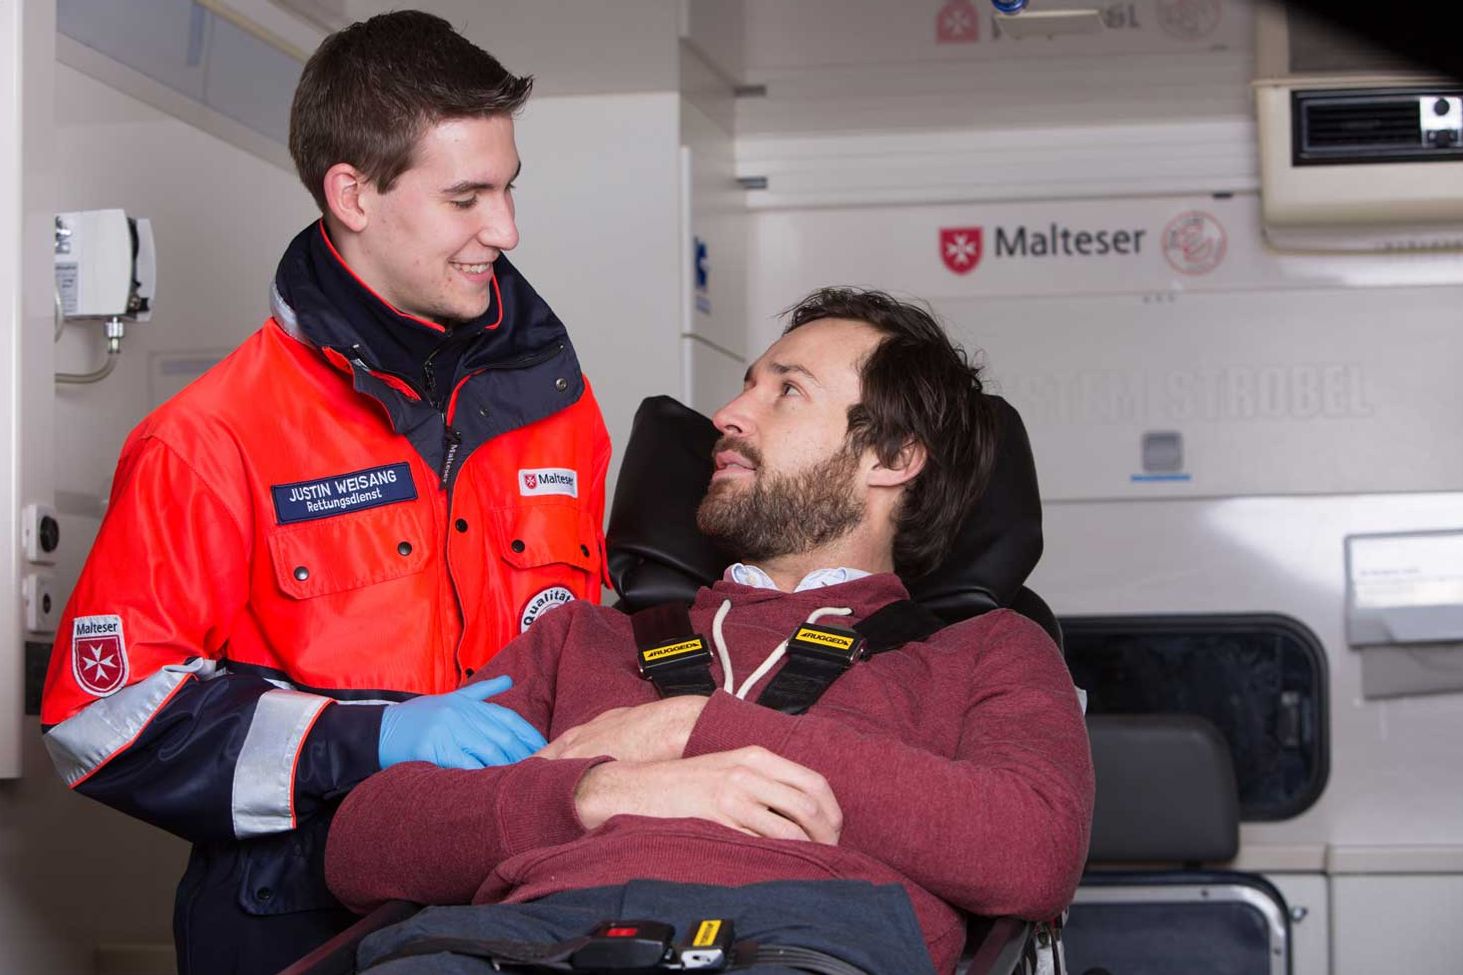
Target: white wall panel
717,223
1105,320
879,66
1397,924
571,47
716,378
600,222
841,33
25,239
717,29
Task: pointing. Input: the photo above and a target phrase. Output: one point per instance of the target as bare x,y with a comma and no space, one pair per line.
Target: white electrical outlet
40,533
42,605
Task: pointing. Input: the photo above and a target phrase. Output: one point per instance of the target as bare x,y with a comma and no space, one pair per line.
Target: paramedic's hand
749,789
653,732
457,730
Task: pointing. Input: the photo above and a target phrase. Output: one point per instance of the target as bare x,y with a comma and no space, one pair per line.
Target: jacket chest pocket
552,556
350,552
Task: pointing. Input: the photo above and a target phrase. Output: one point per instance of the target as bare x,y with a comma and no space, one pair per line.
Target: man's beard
781,514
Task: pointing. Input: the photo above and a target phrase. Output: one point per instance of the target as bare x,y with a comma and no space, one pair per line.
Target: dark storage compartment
1261,679
1194,923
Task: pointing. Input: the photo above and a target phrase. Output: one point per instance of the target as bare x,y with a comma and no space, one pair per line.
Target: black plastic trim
1301,155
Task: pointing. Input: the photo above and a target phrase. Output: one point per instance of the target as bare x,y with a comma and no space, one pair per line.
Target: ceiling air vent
1386,125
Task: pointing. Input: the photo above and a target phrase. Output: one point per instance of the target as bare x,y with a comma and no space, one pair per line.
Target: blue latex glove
457,729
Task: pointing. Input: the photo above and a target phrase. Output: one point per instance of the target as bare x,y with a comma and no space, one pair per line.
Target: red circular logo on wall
1189,20
958,22
1194,242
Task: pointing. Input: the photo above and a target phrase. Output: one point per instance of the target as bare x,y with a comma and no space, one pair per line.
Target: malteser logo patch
549,480
98,654
541,602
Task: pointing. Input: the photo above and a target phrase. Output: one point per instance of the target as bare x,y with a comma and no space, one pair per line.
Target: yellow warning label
706,934
674,650
823,637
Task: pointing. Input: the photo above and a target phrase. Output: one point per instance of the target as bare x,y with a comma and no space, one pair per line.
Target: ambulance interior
1231,333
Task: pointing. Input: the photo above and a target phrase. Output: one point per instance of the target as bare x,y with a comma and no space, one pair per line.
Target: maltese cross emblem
960,248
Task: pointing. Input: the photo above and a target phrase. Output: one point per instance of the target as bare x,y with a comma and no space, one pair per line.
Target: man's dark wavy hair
370,91
916,386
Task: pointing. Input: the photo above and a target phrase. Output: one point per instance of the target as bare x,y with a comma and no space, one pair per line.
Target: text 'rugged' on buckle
673,653
832,644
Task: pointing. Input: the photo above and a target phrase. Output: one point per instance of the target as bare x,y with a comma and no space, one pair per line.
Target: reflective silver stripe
264,776
285,685
88,739
285,315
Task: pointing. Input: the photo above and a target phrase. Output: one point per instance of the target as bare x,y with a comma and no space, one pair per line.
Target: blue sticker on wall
702,268
339,494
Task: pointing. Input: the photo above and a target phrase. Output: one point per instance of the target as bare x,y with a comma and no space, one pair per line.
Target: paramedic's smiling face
429,242
784,479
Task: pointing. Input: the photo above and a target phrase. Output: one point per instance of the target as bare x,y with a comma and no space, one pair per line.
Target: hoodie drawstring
719,639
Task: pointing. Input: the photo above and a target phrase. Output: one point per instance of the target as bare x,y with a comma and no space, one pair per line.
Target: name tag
341,494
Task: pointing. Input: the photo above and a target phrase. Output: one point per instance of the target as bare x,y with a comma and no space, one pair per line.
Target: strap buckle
680,652
625,946
827,645
708,946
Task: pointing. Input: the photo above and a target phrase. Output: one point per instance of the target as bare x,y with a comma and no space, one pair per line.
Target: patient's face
784,481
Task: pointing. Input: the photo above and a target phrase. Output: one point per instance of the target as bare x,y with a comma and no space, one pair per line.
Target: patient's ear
905,467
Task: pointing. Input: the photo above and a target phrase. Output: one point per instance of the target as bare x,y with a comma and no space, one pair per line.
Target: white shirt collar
750,575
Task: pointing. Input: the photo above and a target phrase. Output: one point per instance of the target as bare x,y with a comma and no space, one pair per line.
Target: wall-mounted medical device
106,266
106,270
1404,609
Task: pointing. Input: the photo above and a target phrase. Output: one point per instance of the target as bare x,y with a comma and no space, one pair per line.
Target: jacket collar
318,300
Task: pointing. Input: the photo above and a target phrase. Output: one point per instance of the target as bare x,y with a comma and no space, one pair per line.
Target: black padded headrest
656,553
1165,790
1000,543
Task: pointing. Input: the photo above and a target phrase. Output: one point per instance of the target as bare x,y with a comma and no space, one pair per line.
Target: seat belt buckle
672,653
626,946
827,644
708,946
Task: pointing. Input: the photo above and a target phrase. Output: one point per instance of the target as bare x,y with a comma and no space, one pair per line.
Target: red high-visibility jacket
296,539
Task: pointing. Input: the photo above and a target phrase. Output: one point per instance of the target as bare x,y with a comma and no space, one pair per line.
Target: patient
950,774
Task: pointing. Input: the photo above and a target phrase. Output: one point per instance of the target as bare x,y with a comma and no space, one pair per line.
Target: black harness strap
675,658
891,627
672,654
818,655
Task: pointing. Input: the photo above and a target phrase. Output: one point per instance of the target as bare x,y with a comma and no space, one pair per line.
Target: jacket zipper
360,360
430,375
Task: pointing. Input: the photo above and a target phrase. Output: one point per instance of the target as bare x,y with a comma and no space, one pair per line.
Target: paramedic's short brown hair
370,91
916,385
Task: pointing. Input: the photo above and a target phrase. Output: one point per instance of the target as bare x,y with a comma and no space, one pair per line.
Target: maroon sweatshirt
961,765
